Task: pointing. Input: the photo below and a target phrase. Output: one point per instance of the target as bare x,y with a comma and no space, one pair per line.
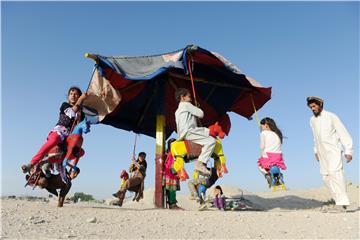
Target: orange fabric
73,141
215,130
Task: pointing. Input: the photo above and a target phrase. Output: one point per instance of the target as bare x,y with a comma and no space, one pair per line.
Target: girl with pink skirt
270,144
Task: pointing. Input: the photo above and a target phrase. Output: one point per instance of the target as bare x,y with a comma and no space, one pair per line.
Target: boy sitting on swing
186,117
136,182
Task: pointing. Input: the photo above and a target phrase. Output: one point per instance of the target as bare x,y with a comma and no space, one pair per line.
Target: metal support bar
160,148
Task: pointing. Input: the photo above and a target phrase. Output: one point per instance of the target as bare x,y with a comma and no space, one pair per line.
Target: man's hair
74,88
180,92
315,100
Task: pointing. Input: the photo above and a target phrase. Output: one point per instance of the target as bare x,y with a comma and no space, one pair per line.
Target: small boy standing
186,123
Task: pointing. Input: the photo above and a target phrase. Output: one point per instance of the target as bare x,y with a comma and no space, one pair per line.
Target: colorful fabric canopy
129,92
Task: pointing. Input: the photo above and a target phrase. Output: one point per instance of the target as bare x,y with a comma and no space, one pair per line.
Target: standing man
331,139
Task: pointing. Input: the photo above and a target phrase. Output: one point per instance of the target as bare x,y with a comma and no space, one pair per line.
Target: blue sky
298,48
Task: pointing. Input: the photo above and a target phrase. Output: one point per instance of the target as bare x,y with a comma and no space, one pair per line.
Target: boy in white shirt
186,117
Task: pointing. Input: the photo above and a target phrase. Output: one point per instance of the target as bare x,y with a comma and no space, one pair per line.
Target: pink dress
170,181
273,159
270,145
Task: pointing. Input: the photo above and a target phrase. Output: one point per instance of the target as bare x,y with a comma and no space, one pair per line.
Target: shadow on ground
289,202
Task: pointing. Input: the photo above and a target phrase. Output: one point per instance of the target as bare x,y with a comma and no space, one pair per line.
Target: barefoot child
54,182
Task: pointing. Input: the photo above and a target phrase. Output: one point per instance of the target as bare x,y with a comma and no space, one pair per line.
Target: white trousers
201,136
336,184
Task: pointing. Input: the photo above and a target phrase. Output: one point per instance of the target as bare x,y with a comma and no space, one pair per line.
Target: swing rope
193,88
133,153
134,149
256,113
192,80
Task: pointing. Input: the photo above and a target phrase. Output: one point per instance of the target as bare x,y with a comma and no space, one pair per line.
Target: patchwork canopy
129,92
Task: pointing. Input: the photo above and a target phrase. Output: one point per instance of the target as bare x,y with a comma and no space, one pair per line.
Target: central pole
160,148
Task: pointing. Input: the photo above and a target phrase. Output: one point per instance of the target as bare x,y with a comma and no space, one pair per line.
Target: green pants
172,197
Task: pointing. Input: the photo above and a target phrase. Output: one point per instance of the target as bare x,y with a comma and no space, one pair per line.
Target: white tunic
330,139
186,122
185,117
269,142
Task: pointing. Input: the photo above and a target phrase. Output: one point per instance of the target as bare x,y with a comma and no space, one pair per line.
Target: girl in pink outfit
171,181
270,145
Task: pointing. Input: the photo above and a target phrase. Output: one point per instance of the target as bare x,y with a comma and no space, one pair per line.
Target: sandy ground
292,214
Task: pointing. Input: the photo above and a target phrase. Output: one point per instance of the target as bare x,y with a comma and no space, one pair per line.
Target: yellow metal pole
92,56
160,148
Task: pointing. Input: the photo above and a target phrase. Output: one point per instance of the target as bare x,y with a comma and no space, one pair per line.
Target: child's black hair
76,89
219,188
171,140
180,92
272,125
142,154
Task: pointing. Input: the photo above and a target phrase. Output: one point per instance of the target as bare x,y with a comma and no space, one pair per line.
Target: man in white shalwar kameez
331,139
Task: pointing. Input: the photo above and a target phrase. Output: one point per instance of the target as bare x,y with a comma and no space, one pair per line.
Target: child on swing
69,111
270,144
134,183
186,117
